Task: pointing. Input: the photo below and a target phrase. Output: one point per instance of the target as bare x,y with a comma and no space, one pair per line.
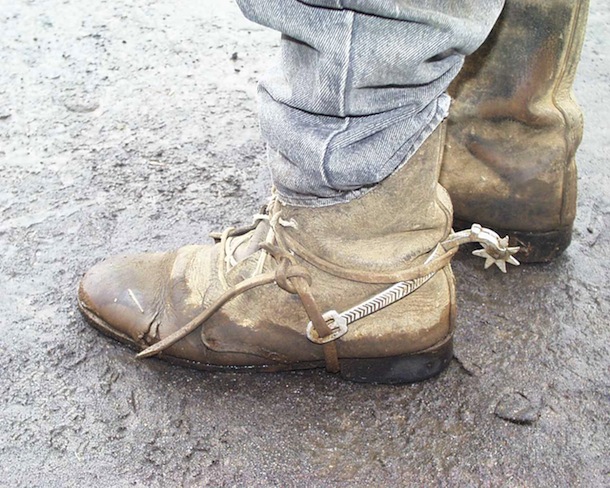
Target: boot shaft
514,127
529,61
396,222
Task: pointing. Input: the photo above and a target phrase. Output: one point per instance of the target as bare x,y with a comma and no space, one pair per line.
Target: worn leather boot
514,128
363,287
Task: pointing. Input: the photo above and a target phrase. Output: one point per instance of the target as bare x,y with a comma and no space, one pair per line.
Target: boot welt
404,368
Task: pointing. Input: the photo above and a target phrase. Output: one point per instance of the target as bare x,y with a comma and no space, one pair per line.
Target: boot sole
536,247
405,368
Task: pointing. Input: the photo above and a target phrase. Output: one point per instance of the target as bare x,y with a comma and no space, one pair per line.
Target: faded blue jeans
360,85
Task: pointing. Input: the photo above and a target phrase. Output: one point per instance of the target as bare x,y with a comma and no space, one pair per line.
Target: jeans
359,87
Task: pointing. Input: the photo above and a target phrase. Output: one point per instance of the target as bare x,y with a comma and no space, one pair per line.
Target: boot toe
122,295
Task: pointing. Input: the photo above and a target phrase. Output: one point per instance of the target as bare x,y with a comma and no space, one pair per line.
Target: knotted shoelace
294,278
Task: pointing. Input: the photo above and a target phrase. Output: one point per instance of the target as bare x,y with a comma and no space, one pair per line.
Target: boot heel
406,368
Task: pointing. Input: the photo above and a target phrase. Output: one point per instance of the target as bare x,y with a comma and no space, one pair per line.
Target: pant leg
360,85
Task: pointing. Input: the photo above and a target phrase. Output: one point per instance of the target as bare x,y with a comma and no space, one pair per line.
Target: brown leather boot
514,128
364,287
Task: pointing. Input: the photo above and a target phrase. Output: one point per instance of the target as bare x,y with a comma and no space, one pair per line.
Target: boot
514,128
363,287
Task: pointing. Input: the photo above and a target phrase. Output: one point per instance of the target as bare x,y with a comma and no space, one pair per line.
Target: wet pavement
131,126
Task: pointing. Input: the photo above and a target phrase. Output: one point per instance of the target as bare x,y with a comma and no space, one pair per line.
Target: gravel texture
130,126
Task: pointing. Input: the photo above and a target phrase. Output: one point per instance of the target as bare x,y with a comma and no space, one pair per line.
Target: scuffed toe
123,295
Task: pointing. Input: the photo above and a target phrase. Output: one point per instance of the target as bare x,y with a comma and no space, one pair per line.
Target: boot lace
325,328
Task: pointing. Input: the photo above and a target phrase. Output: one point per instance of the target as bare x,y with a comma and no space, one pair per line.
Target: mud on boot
514,128
363,288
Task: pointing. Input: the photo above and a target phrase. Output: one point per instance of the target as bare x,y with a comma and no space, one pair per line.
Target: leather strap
185,330
295,279
365,276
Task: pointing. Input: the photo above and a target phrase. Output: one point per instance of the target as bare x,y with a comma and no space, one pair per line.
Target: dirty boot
514,128
363,287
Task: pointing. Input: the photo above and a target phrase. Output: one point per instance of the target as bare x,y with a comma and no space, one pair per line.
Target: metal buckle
337,324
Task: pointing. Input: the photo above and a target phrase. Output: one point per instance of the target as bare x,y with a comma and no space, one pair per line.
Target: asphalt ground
131,126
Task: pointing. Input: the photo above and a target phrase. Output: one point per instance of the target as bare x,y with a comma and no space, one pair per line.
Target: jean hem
349,195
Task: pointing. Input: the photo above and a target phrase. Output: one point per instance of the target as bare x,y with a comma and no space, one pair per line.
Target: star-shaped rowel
500,256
